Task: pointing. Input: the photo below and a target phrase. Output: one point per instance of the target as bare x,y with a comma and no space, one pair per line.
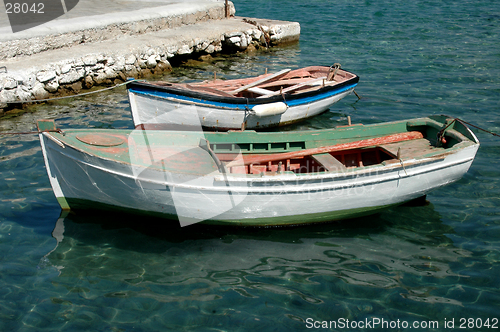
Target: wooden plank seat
262,80
410,149
209,90
285,82
329,162
297,86
260,91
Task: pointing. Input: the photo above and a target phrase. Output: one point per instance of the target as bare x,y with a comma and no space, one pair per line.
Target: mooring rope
440,134
132,80
71,96
23,133
64,97
470,124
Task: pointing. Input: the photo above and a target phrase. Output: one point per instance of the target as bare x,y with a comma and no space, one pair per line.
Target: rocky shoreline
68,71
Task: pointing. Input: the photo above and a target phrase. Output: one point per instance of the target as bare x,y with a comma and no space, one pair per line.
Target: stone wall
71,75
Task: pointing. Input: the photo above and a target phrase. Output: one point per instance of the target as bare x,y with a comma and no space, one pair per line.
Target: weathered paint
101,139
332,148
194,105
155,171
248,142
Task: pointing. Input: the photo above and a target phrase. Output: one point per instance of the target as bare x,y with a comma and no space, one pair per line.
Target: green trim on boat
303,219
63,203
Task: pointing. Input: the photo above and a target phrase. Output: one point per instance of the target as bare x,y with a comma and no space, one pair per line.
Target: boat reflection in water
403,251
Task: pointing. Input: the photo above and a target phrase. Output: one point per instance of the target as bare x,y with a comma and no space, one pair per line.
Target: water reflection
145,259
237,65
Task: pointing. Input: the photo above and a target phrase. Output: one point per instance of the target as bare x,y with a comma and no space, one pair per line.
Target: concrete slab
93,20
167,43
101,45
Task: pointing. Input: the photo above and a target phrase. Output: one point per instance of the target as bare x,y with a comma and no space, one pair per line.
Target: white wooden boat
256,179
258,102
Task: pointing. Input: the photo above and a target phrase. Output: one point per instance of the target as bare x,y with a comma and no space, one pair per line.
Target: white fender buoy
270,109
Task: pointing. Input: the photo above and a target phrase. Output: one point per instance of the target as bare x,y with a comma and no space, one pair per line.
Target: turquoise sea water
438,263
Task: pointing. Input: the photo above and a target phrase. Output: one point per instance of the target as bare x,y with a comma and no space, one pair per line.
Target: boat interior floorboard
411,149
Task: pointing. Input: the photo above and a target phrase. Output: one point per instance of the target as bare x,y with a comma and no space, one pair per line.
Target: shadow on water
96,226
411,234
317,264
168,231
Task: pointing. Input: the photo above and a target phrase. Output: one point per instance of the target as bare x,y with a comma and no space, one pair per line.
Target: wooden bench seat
329,162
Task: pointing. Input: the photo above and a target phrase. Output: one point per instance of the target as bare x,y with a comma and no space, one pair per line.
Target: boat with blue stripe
259,102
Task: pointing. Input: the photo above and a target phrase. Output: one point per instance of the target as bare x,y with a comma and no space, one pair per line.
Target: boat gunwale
140,87
254,135
298,180
274,177
244,107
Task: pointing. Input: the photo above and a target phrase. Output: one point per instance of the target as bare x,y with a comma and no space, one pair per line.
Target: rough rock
46,75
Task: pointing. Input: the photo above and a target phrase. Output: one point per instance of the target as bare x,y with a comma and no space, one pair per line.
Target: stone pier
91,46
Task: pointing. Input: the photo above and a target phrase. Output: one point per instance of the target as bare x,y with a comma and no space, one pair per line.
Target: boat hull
82,180
168,112
169,106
